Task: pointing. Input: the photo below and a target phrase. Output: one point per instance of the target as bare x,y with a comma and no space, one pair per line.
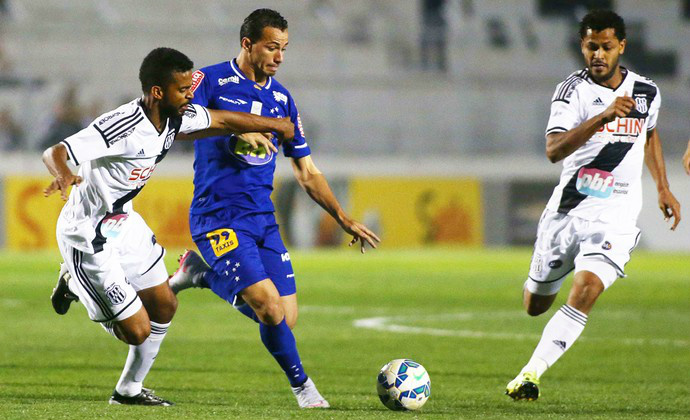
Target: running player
603,123
111,256
232,218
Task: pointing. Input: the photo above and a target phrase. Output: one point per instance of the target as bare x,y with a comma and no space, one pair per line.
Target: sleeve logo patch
280,97
197,77
222,241
299,126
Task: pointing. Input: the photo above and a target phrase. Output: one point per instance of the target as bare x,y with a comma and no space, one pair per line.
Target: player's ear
246,44
157,92
621,48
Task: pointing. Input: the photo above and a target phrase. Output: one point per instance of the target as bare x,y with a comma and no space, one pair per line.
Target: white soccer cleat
190,273
308,396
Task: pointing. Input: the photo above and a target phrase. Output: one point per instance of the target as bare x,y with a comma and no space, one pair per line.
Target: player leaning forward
603,123
115,264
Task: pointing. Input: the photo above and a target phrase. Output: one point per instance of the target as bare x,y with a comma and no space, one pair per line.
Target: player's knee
269,310
291,320
166,310
135,335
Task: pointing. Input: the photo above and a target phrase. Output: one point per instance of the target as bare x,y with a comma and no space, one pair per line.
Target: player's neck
153,112
249,72
615,80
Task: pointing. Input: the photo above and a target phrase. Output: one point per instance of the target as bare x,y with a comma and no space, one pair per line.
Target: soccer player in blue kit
232,217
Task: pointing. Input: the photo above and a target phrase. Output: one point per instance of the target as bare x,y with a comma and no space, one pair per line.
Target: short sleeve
298,147
565,113
195,118
91,144
654,111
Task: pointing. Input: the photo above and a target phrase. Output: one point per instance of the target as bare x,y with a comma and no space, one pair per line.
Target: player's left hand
360,233
670,207
256,140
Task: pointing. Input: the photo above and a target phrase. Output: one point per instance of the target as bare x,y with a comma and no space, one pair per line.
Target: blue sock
247,311
280,342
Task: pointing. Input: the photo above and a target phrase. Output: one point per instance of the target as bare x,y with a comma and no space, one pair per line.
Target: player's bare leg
537,304
265,301
559,335
154,318
289,304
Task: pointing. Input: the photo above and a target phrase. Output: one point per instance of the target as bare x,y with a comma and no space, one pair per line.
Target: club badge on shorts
222,241
115,294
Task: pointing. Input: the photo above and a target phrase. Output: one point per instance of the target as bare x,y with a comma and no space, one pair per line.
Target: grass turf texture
472,336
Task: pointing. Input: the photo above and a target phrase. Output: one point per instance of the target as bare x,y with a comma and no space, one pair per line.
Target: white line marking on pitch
397,324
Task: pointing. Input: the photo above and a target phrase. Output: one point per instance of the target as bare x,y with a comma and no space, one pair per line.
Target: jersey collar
235,68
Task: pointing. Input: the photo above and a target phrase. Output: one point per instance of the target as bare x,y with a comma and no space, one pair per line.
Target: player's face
267,53
178,94
602,51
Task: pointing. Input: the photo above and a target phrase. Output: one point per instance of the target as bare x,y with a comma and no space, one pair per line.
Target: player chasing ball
232,216
603,125
112,262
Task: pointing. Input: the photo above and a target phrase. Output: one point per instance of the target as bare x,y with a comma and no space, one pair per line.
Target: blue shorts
243,250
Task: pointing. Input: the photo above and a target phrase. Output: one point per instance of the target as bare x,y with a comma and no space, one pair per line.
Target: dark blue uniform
231,217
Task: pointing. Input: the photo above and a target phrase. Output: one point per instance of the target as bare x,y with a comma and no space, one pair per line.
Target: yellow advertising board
31,218
410,212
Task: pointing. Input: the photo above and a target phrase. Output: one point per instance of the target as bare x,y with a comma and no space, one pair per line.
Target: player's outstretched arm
230,122
654,159
55,159
561,145
314,183
686,159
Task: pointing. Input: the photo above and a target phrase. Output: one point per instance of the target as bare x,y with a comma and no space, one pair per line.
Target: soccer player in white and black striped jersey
603,127
113,263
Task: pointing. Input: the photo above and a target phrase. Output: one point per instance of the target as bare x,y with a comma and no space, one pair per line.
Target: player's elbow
553,154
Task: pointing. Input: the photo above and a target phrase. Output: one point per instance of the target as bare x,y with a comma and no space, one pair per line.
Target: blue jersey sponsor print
227,173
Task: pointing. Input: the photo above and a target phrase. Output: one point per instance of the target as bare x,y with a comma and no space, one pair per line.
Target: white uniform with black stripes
110,251
590,221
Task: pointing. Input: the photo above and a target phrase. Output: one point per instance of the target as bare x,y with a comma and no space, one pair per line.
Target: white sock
559,335
139,361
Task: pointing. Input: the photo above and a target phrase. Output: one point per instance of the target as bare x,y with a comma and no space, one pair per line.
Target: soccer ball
403,384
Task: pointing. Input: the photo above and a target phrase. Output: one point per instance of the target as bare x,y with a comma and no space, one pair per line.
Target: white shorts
566,243
107,282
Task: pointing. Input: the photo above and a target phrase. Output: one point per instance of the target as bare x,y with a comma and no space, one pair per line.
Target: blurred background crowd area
371,77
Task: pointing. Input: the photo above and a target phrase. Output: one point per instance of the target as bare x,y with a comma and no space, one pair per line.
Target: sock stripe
159,329
574,314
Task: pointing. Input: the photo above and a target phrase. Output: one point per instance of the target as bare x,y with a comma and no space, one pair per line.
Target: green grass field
456,312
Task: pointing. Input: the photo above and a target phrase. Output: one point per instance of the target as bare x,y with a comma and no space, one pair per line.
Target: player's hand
619,108
686,160
256,140
286,129
359,233
670,207
62,183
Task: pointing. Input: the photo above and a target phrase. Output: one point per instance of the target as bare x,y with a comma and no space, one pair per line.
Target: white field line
399,324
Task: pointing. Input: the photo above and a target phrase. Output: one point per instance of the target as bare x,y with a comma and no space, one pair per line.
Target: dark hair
159,65
254,24
599,20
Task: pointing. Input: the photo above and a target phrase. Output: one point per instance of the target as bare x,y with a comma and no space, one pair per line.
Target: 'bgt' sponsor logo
111,226
624,127
197,77
595,182
141,174
231,79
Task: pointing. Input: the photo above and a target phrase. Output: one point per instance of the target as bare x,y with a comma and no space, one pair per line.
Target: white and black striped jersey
602,179
116,154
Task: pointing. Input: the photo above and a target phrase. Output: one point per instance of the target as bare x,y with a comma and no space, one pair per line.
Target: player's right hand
62,183
286,129
620,108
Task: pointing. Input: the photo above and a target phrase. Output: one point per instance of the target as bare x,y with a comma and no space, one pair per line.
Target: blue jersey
227,173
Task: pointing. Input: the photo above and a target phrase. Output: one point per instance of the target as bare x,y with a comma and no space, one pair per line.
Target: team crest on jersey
595,182
197,77
222,241
607,246
169,139
641,104
280,97
115,294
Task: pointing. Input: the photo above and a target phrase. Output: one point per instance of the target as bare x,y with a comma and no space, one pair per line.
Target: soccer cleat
62,297
190,273
524,387
308,396
145,397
